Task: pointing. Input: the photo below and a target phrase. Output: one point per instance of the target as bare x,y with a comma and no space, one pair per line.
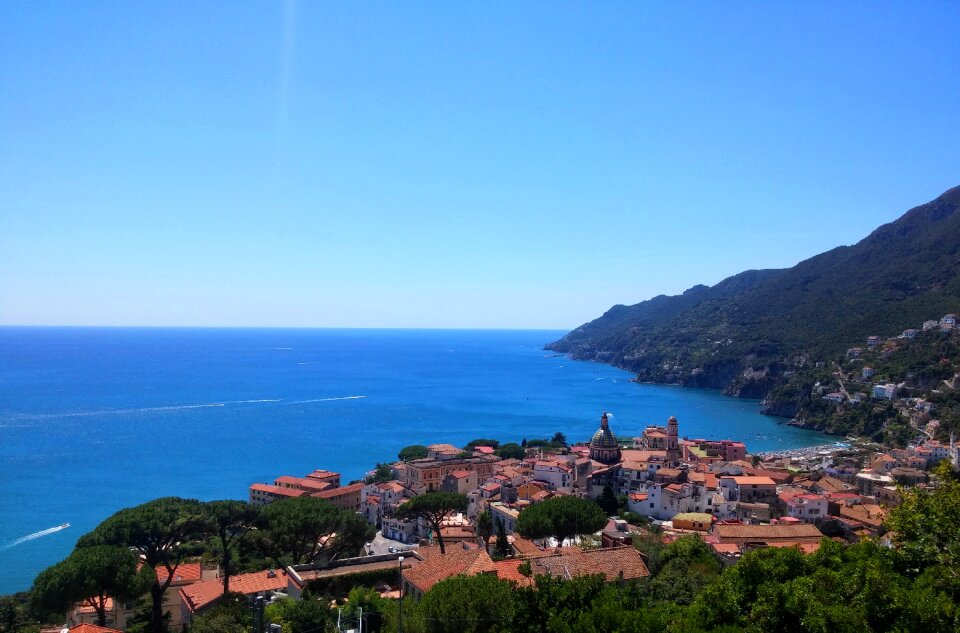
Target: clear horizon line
280,327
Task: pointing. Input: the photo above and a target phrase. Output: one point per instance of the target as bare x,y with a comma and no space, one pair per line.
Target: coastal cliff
751,332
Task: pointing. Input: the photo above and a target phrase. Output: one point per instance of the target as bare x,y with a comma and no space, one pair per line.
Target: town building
604,447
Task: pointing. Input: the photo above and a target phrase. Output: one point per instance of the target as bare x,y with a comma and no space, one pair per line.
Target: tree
510,451
927,524
482,442
88,577
382,473
414,451
300,530
559,439
469,604
608,501
485,527
502,548
158,530
231,614
433,507
561,518
230,521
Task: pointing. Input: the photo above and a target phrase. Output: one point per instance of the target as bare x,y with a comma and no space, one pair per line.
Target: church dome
604,438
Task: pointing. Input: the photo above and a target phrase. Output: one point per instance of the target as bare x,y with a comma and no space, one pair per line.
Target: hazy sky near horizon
449,164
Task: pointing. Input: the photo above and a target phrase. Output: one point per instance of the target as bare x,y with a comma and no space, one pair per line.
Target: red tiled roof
509,570
322,474
92,628
455,562
336,492
526,548
185,573
766,533
278,490
201,594
744,480
309,484
613,563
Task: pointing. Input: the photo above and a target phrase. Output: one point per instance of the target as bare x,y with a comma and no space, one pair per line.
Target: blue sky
449,164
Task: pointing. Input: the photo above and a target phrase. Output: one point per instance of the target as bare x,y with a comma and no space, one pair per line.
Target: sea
93,420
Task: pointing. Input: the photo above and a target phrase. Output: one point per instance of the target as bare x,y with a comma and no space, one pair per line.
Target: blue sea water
96,419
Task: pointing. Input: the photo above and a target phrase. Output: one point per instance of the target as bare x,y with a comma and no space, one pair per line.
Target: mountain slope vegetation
743,334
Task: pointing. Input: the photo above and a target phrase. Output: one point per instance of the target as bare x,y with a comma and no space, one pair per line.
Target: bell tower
673,442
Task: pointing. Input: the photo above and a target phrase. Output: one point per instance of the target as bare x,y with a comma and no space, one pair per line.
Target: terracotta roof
526,548
185,573
806,548
509,570
637,455
454,563
309,484
872,515
92,628
707,480
613,563
830,484
201,594
278,490
767,532
336,492
744,480
459,474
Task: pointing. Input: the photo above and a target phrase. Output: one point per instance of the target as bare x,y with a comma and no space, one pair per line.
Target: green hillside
742,334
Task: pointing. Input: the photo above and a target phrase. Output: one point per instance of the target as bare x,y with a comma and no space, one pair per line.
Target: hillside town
663,485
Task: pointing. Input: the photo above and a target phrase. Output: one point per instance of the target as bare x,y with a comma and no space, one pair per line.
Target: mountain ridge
743,333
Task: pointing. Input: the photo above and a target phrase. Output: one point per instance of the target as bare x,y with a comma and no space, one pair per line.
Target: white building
807,507
885,392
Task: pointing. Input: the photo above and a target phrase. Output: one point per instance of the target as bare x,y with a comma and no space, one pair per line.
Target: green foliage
468,604
340,585
484,524
162,531
301,616
559,439
89,576
608,501
927,524
296,530
684,568
433,507
381,474
502,547
414,451
772,321
230,521
472,444
231,614
366,603
510,451
15,614
561,518
634,518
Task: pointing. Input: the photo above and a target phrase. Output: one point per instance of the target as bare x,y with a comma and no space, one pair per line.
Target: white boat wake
36,535
328,399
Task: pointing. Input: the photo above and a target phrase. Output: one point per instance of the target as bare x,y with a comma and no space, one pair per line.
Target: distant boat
63,526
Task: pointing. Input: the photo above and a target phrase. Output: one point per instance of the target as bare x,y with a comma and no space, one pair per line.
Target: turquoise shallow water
95,419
